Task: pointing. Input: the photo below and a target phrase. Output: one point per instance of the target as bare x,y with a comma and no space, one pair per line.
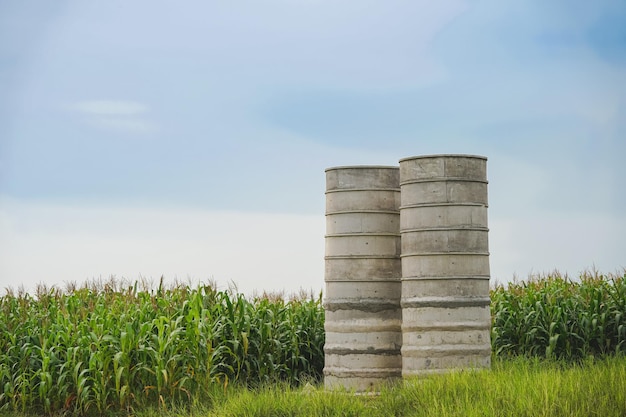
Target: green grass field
521,387
514,387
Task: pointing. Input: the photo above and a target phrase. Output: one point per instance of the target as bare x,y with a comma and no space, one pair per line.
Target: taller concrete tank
445,263
362,277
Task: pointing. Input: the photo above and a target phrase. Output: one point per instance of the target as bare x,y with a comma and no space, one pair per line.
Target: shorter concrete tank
362,277
445,263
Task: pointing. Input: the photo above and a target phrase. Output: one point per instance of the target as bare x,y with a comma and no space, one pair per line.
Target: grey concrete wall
445,263
362,277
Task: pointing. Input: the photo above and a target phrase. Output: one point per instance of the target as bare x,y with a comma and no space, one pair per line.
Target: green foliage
520,387
110,348
555,317
514,387
96,350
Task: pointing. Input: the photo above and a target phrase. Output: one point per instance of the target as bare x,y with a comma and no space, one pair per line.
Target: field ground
516,387
519,387
559,349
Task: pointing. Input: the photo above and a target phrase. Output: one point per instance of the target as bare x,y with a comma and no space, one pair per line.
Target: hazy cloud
129,125
61,243
111,107
117,115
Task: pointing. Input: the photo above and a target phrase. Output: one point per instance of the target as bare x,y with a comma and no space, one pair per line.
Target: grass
519,387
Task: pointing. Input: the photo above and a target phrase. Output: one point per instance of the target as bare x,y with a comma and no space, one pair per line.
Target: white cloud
110,107
542,242
55,244
116,115
129,125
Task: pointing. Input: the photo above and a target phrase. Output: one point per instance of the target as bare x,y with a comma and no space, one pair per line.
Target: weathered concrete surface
441,191
383,200
363,244
362,274
448,240
363,222
445,263
429,167
443,215
370,177
353,268
364,291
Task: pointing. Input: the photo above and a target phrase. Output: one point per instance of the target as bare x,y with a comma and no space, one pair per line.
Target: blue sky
190,139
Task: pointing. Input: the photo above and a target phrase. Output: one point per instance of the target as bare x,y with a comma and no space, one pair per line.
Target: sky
188,140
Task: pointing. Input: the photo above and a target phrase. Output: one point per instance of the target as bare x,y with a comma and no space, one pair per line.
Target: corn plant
109,347
555,317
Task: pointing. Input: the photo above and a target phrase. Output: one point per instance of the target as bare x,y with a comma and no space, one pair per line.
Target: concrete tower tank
362,277
445,263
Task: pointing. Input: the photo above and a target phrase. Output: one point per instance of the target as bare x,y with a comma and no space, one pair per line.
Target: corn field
555,317
109,349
